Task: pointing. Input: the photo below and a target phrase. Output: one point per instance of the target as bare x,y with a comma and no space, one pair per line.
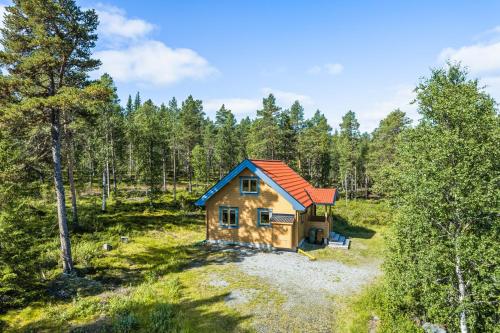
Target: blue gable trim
246,164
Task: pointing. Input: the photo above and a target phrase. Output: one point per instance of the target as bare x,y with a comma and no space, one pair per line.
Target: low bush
125,323
84,252
162,319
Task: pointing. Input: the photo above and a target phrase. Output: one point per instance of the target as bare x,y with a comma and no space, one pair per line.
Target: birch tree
444,254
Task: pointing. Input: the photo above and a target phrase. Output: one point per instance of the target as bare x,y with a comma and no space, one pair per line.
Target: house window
249,185
264,217
228,217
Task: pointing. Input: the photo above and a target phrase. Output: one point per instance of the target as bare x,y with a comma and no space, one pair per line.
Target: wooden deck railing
317,218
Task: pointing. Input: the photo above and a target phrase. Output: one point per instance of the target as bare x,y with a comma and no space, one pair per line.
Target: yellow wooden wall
248,231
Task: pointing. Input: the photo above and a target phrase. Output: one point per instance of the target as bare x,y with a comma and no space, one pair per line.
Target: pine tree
382,148
314,147
47,66
130,106
191,121
226,145
148,145
243,133
264,135
348,150
137,101
297,123
209,143
174,141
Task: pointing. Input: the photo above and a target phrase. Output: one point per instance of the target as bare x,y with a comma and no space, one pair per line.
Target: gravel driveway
313,289
296,275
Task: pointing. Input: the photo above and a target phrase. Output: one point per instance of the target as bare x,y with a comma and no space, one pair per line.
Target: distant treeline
59,130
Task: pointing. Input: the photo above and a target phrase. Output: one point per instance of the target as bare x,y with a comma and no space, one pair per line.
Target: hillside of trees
63,134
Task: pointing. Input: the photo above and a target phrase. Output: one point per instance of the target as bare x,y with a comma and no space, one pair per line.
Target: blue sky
331,55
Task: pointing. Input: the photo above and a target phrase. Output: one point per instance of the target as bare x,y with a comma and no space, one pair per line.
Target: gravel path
313,290
296,275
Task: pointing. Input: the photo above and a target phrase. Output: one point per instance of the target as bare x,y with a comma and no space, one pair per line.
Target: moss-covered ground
165,280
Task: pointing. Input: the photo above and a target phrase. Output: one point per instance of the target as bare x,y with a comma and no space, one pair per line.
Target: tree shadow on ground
344,227
185,315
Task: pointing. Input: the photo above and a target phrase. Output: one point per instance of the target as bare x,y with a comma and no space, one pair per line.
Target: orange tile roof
322,195
288,179
294,184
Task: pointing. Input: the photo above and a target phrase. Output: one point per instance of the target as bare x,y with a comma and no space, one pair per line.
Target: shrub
84,252
125,323
162,319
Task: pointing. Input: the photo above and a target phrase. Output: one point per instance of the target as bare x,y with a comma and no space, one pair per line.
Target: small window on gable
264,217
228,217
249,185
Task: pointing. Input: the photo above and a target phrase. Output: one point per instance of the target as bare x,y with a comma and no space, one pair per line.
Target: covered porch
322,219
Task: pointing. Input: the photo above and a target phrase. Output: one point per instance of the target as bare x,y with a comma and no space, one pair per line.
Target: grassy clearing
162,280
365,223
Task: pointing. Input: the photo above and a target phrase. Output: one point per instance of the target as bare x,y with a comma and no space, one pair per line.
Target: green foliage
226,141
314,147
368,310
84,252
382,149
125,323
348,150
161,319
148,143
264,133
443,261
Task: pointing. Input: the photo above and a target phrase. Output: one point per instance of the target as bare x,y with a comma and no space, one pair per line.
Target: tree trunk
366,186
55,130
151,180
71,179
91,174
175,175
346,189
113,163
130,161
108,187
103,208
164,171
355,183
462,294
190,177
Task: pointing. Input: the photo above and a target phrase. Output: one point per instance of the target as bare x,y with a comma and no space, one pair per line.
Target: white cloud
129,55
330,68
401,96
239,106
287,98
314,70
479,58
483,60
249,106
114,23
153,62
334,69
2,13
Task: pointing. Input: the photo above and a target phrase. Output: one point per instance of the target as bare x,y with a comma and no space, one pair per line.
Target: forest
72,152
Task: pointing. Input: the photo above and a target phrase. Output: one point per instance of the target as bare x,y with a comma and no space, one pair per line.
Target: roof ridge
266,160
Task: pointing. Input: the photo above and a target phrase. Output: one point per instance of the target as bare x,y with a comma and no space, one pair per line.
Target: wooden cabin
265,204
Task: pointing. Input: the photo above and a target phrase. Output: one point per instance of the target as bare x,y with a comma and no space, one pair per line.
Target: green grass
365,223
160,280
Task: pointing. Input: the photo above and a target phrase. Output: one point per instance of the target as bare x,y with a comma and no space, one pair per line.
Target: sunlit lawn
161,280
